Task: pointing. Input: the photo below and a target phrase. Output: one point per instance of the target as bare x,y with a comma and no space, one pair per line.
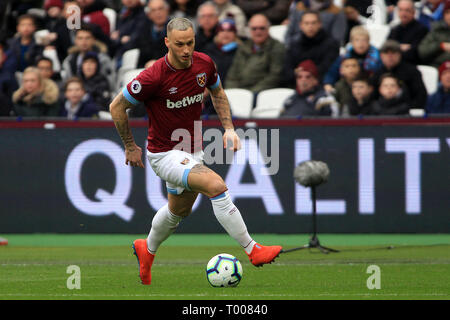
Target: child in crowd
360,49
349,70
78,103
361,102
392,100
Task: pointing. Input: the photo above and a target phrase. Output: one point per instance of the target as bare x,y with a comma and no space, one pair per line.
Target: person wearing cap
222,51
409,32
434,49
315,44
258,62
310,99
231,11
439,102
408,74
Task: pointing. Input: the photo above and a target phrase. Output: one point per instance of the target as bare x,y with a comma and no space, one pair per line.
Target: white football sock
164,224
231,220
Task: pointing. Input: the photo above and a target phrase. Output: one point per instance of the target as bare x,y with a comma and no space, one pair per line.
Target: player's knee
181,211
216,186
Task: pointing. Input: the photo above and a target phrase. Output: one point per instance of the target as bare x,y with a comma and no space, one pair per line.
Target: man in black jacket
409,32
408,74
314,44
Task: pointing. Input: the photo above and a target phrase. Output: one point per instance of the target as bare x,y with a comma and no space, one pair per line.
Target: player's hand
231,140
133,156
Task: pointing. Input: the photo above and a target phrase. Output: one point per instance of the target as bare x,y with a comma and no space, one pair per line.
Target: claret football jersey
173,99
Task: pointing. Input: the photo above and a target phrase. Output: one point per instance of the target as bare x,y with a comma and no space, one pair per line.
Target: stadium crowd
53,65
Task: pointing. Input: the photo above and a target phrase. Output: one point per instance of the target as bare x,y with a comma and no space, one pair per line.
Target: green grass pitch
416,267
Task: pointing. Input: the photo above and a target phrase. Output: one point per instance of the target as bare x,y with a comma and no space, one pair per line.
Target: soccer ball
224,270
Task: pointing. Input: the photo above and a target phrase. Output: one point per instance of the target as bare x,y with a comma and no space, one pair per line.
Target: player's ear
166,41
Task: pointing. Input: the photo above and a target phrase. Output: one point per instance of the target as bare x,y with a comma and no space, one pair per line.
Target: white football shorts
173,167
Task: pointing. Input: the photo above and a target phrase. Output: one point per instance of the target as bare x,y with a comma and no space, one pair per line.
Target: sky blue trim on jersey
220,196
128,96
215,85
185,179
172,191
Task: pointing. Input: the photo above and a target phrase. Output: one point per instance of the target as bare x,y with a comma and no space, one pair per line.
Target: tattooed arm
133,153
222,106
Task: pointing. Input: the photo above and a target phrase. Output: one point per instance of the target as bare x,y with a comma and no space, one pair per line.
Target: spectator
359,48
59,36
258,63
129,19
409,32
95,84
430,11
8,83
45,66
152,33
315,44
349,70
276,11
409,75
333,20
361,101
222,51
392,100
207,20
23,46
78,103
231,11
36,97
439,102
86,42
184,8
310,98
434,49
224,47
92,13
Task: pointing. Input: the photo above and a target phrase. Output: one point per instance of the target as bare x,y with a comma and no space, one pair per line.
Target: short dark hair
86,28
363,77
42,58
74,80
25,17
390,75
314,12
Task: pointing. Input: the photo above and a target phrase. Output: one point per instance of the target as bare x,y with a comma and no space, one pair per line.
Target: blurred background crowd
276,58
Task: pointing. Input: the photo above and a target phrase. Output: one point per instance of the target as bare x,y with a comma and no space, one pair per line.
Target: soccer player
172,90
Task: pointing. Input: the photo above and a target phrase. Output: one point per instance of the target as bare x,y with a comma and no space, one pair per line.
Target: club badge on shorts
201,79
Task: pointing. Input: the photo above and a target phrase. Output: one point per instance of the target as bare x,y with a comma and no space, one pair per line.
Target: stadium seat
378,34
269,103
111,15
278,32
130,60
430,77
241,102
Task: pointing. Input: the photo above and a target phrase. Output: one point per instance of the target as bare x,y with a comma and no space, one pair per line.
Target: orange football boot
145,260
263,254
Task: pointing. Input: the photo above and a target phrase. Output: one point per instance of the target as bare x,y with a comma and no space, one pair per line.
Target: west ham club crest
201,79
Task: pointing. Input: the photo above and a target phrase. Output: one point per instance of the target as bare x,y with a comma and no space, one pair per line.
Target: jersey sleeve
142,87
213,77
